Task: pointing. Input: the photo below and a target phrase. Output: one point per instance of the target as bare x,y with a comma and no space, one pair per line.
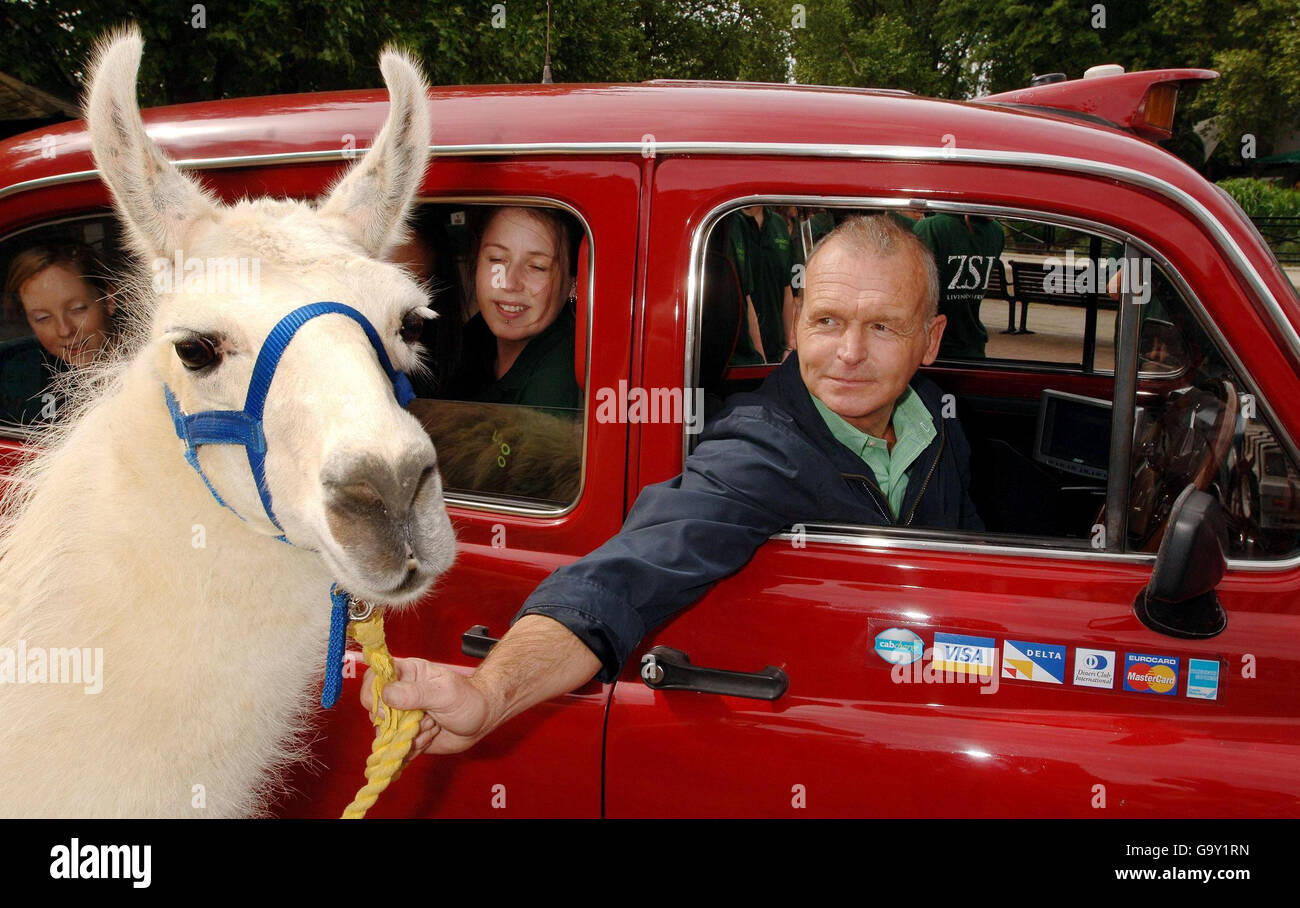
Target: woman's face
520,281
66,313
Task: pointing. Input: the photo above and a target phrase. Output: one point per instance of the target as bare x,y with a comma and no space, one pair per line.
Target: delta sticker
1203,679
960,654
899,646
1094,667
1043,662
1147,674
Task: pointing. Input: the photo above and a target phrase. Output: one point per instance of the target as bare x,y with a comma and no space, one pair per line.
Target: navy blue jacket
767,461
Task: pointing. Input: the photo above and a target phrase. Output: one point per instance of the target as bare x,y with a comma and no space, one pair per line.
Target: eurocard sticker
1094,668
1024,661
1148,674
1203,679
899,646
968,655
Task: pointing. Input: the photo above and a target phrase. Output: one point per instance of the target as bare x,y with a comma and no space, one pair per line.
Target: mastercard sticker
1147,674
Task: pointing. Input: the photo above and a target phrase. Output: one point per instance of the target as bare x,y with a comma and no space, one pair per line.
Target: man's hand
537,659
455,711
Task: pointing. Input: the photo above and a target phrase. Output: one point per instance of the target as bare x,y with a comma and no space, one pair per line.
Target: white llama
212,630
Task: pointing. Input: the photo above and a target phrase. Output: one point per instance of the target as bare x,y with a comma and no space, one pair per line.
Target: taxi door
778,695
546,763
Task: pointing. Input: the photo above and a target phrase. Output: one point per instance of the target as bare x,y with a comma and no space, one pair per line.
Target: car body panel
646,167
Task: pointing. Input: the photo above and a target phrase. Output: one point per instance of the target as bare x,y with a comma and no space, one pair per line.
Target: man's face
862,332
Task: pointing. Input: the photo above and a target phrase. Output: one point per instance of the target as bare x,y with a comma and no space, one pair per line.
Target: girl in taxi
519,347
63,296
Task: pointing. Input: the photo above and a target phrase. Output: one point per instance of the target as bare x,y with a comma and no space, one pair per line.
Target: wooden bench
1028,279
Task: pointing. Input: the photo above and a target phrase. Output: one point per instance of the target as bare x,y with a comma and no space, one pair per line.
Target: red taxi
1112,645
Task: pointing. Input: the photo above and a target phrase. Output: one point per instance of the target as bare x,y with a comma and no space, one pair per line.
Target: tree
203,51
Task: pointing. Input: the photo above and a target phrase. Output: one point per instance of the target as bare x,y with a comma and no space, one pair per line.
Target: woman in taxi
66,301
519,347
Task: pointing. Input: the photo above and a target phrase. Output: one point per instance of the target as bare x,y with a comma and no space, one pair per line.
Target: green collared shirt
913,432
541,376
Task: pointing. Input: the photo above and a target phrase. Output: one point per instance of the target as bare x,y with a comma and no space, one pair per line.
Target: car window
1030,375
1209,428
59,283
502,395
1017,294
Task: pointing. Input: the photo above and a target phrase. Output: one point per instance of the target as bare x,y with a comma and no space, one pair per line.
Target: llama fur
213,632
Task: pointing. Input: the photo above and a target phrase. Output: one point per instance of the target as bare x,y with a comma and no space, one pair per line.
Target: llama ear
374,197
156,201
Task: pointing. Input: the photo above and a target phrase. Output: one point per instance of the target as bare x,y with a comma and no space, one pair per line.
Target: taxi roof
470,117
685,118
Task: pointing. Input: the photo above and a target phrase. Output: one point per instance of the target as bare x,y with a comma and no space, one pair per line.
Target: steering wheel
1187,444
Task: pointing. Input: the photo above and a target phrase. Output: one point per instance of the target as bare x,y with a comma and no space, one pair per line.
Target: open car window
1032,308
500,280
45,327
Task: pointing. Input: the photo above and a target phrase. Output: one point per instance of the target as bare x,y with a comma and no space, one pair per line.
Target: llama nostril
361,497
425,475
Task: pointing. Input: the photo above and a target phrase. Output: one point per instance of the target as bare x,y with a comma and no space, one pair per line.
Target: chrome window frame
485,502
1226,244
476,501
888,538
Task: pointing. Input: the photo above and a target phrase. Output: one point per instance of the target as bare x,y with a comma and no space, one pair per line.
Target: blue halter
244,427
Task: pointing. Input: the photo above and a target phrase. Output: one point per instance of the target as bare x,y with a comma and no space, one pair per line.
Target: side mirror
1161,347
1180,600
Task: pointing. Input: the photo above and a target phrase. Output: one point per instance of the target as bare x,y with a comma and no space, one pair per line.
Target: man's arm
787,319
681,537
755,334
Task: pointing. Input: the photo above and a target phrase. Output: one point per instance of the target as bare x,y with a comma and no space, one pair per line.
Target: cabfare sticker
899,646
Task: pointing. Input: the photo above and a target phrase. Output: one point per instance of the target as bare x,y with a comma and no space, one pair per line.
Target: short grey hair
881,236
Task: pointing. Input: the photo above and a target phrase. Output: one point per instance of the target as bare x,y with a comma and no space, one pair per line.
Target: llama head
349,472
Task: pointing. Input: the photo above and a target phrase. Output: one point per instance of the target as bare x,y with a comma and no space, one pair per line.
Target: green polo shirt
541,376
965,258
913,432
763,260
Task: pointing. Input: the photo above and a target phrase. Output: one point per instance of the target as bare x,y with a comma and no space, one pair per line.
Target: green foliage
262,47
1263,198
942,48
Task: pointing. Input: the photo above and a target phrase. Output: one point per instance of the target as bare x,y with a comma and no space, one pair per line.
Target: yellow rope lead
394,732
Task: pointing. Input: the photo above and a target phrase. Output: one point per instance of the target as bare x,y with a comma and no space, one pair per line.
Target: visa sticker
899,646
1148,674
1023,661
1094,667
968,655
1203,679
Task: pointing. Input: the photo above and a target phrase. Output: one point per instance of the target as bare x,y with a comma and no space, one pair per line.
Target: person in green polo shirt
519,348
964,249
758,244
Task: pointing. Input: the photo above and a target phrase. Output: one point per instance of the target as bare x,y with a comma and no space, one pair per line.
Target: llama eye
412,326
197,353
